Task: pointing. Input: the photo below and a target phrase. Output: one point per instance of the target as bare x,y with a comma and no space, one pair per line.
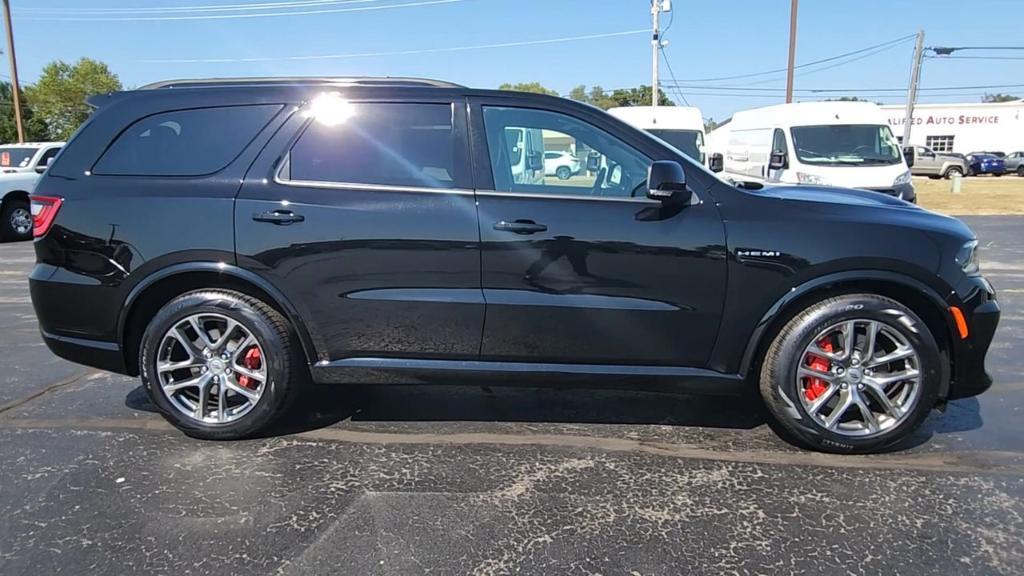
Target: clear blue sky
707,39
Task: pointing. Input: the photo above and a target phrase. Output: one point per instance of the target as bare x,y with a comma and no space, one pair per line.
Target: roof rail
300,80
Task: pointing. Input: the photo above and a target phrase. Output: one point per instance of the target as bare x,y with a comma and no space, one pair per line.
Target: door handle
519,226
280,217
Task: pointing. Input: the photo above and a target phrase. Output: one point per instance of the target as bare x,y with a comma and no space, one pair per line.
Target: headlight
805,178
967,258
902,179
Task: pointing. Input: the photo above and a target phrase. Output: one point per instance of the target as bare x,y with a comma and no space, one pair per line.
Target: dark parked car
230,241
978,164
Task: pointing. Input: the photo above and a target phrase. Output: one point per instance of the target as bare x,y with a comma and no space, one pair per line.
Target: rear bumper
981,311
95,353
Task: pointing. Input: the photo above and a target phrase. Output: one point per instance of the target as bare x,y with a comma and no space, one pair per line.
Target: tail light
44,210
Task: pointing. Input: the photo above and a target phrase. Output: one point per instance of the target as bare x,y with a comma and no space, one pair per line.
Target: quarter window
185,142
381,144
596,163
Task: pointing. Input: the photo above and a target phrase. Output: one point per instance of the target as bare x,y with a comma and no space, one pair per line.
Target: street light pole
792,51
915,78
655,48
15,88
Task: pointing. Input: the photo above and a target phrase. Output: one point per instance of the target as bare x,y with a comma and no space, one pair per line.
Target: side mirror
777,160
908,155
41,167
593,162
717,162
667,181
534,161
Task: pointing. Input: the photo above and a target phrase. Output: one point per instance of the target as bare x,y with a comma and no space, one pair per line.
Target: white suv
20,168
561,164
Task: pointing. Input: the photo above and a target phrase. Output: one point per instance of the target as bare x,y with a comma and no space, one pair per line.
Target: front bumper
981,312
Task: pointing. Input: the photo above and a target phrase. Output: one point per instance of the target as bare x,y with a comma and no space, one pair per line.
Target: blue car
978,164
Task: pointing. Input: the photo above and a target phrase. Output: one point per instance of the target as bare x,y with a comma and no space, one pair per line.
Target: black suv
231,240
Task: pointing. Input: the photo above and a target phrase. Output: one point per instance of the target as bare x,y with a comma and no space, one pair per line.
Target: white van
846,144
680,126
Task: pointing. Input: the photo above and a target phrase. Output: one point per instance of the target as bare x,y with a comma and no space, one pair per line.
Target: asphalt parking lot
446,480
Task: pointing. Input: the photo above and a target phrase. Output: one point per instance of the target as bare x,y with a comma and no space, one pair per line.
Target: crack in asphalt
974,462
46,390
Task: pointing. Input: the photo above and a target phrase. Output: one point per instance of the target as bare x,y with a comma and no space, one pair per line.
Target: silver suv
934,165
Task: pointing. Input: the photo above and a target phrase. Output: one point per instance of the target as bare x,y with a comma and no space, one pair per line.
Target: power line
823,60
194,8
826,90
393,53
679,92
975,57
60,18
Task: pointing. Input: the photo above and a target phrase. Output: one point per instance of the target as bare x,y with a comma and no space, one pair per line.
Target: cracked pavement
465,480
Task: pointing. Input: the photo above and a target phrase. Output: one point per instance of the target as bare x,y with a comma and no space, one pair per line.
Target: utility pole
15,88
792,51
655,49
915,78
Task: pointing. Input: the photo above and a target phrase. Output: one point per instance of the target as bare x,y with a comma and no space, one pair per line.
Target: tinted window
380,144
11,157
185,142
519,138
47,156
845,145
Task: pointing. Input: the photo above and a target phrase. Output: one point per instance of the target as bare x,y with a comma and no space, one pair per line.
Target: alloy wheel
859,377
211,368
21,221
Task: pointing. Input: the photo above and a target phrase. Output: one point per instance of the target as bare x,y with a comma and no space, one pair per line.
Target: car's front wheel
851,374
563,172
953,172
220,364
15,220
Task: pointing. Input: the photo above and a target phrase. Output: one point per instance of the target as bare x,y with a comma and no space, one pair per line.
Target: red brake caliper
815,387
252,361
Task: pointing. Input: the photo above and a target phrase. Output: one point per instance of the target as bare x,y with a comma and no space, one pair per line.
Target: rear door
587,270
361,212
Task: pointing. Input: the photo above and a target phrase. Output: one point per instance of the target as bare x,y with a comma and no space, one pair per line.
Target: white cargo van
680,126
845,144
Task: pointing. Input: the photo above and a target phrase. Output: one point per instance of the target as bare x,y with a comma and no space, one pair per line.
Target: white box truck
680,126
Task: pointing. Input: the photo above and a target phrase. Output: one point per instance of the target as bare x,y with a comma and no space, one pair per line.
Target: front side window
379,144
185,142
597,163
845,145
689,142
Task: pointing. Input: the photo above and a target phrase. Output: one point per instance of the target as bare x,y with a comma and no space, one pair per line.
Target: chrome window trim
368,187
568,197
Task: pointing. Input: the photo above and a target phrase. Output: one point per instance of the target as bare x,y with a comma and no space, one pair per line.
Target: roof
32,144
809,114
933,106
648,117
300,81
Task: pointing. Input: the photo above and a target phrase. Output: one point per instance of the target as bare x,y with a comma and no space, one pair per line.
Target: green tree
622,97
58,98
533,87
34,127
991,98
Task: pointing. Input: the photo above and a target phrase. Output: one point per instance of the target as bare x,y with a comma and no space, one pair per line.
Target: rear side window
184,142
380,144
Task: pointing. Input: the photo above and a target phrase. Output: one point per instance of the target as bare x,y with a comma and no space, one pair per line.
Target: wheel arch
16,195
163,285
914,294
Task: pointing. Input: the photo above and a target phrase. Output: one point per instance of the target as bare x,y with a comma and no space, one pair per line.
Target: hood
831,195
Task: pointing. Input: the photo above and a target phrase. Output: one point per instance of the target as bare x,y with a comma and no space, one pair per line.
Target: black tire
952,171
1020,170
563,172
287,373
778,378
997,174
971,172
12,210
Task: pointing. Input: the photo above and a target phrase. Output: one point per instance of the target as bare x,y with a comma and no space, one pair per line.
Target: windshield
689,142
845,145
12,157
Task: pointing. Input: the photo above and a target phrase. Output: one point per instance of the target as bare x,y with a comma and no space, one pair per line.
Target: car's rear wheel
563,172
16,221
851,374
220,364
1020,170
953,172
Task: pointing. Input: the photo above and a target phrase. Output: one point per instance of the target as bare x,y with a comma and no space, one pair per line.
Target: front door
585,270
362,214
